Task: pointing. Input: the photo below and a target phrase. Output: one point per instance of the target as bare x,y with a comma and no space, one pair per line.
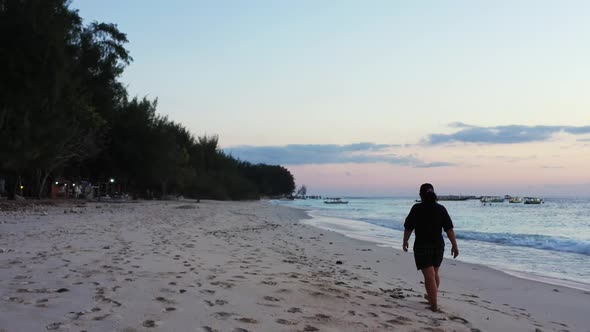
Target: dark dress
428,220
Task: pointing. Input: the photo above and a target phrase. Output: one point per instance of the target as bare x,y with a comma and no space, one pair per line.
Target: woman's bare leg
431,288
436,277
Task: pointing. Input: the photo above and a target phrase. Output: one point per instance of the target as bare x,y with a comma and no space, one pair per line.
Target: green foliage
46,119
270,180
64,112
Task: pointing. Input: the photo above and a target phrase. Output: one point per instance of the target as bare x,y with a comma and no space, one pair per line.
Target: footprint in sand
458,319
74,315
163,299
223,315
272,299
222,284
101,317
320,317
149,323
53,326
286,322
15,299
400,320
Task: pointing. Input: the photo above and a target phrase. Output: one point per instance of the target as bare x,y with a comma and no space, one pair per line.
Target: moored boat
492,199
515,200
334,200
533,200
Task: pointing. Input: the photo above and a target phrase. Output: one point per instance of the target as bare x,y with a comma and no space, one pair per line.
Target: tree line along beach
69,127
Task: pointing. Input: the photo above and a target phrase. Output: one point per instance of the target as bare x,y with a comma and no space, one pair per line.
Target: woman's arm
455,248
407,234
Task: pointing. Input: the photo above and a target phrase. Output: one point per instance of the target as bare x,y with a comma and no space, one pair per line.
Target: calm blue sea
549,242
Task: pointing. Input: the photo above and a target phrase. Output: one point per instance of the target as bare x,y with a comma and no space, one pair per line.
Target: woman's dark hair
427,194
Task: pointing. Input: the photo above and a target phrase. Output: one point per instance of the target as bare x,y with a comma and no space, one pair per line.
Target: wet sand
242,266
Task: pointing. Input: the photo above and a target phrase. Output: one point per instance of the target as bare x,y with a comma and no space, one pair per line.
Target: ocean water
548,242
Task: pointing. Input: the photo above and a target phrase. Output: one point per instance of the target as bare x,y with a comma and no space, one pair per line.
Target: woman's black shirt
428,220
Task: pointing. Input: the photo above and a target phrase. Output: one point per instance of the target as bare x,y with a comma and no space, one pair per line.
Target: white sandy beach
242,266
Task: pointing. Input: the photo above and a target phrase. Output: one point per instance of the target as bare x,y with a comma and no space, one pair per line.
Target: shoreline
515,273
508,277
242,266
339,225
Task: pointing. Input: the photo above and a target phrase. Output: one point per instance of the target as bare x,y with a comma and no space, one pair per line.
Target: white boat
515,200
533,200
492,199
334,200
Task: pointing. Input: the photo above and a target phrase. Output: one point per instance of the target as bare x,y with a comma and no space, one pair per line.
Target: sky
375,97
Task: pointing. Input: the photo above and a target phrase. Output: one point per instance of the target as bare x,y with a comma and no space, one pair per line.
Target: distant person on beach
428,219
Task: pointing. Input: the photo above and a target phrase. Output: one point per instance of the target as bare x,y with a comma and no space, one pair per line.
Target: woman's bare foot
435,309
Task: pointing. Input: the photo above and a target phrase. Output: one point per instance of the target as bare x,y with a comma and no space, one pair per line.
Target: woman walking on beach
428,219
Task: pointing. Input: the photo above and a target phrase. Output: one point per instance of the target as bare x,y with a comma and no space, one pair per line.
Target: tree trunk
42,185
11,186
36,184
163,189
